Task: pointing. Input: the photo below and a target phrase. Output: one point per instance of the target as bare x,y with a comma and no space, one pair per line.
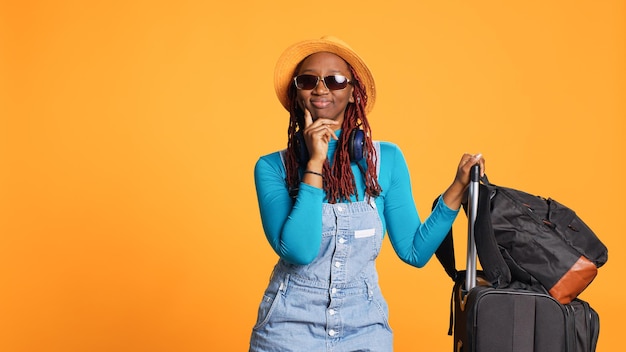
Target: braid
291,159
339,181
356,118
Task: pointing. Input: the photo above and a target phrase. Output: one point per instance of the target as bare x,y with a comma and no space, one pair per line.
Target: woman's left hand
454,194
465,165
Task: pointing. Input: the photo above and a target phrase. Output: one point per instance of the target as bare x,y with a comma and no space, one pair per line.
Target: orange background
129,131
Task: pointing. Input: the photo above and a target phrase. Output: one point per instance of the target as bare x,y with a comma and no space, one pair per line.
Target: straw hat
289,60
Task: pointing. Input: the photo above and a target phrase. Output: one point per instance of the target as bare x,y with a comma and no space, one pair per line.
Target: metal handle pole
472,203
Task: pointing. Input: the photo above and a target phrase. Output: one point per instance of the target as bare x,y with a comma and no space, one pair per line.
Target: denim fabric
334,303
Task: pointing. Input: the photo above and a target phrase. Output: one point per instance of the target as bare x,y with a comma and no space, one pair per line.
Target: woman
326,203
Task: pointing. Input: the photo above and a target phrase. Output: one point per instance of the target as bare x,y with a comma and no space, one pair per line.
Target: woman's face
321,101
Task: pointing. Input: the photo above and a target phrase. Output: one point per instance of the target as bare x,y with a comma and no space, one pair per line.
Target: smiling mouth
320,104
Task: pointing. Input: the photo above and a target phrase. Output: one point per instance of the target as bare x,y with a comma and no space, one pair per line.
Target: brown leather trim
575,280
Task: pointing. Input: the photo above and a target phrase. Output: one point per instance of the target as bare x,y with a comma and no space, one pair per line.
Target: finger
333,135
482,167
478,159
308,120
325,122
326,133
465,159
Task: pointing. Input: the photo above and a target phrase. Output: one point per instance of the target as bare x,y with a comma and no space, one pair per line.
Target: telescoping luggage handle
472,211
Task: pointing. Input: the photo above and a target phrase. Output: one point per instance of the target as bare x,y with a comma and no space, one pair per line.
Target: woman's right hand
317,135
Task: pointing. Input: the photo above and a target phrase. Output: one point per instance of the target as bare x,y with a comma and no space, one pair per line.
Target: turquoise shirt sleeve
293,228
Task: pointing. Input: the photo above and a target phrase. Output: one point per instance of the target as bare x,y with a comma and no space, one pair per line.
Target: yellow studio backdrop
129,131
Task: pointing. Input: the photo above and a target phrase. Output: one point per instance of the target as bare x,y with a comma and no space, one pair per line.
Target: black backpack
525,240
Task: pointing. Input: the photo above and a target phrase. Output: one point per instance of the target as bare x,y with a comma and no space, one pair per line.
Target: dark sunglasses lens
336,82
306,82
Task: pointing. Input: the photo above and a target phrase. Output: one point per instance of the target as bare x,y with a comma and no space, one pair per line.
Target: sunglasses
333,82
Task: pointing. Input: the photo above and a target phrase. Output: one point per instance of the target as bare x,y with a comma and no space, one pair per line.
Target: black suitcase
488,319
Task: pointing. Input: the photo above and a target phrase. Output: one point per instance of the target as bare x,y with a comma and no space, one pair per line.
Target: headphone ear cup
356,144
302,154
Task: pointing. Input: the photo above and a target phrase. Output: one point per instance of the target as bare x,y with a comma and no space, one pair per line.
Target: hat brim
289,60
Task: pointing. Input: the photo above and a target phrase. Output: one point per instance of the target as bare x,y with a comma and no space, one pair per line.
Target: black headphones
356,146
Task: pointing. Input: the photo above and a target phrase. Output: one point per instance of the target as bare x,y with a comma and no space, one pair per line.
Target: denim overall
334,303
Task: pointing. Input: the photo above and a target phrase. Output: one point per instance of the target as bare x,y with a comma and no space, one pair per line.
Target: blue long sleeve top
294,229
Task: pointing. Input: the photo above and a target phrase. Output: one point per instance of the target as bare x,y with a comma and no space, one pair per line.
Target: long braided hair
339,181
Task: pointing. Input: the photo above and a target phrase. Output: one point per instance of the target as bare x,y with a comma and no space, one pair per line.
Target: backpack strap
495,268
